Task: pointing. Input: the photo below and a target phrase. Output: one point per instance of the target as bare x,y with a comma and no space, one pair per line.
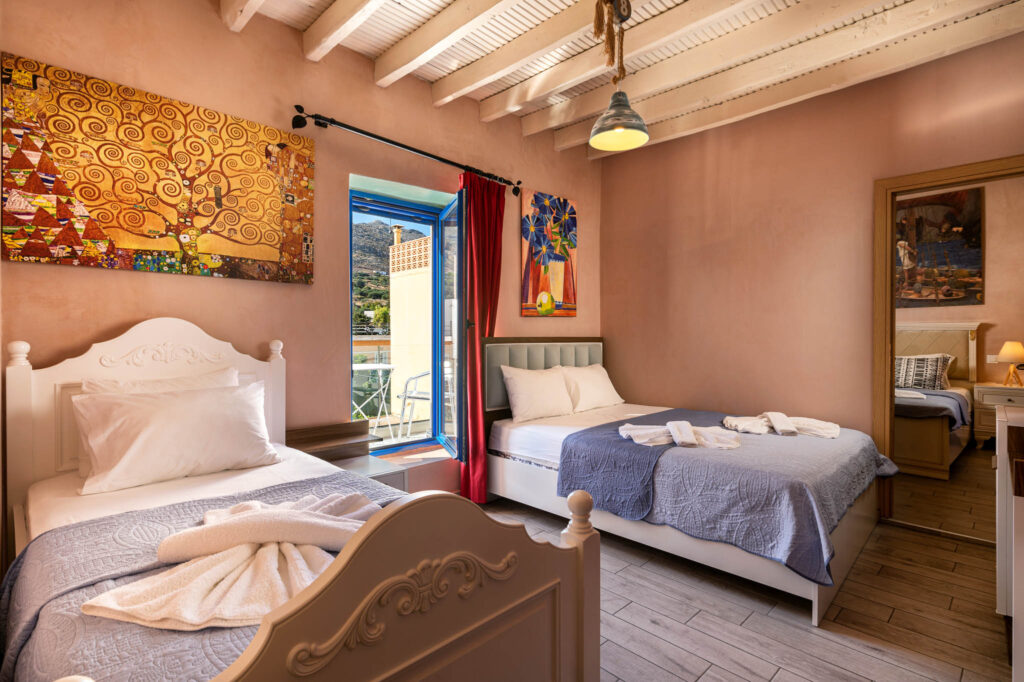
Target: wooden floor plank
987,644
990,622
716,674
715,651
735,590
650,647
925,645
628,667
810,642
805,665
700,598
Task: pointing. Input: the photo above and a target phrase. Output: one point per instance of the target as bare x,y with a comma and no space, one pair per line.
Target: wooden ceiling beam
237,13
767,35
337,22
898,56
845,43
449,26
641,38
564,27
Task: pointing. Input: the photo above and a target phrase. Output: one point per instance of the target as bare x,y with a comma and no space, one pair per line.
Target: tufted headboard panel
527,353
958,339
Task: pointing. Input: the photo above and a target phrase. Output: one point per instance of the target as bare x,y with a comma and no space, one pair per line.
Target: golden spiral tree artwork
104,175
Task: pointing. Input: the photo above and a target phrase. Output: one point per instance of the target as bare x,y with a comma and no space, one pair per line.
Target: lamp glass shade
1012,351
619,128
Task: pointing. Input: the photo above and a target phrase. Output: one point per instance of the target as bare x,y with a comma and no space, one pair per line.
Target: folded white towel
902,393
683,434
781,423
755,425
243,562
646,435
815,427
686,435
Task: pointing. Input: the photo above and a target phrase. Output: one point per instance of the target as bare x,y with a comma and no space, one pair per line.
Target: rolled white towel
781,423
815,427
756,425
901,393
683,434
646,435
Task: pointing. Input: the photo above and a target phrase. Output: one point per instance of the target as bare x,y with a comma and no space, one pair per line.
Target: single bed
523,465
930,433
386,607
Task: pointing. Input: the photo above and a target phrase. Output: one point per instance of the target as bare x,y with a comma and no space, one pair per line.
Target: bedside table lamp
1013,353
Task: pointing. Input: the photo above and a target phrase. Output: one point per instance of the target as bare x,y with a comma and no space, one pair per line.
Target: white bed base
535,486
430,587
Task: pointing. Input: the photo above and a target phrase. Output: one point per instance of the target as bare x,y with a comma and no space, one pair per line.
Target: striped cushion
929,372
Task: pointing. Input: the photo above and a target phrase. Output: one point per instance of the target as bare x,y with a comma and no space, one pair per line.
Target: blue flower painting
549,242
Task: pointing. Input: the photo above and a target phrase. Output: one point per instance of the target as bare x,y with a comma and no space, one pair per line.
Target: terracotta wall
1002,314
182,49
736,264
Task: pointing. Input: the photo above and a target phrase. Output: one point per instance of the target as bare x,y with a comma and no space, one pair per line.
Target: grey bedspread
46,636
778,497
936,404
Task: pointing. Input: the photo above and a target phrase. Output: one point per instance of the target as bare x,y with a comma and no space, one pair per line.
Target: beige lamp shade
1012,351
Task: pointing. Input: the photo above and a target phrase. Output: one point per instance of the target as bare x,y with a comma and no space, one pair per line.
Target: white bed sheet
540,441
55,502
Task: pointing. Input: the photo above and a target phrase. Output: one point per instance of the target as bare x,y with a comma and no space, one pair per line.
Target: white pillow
140,438
217,379
590,388
536,393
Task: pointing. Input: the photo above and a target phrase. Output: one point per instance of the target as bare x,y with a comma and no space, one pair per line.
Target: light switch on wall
991,359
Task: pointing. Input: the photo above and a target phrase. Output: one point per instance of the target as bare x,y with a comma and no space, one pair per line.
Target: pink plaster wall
1002,314
736,263
182,49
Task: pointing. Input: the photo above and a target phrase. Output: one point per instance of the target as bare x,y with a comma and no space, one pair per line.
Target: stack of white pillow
139,432
558,391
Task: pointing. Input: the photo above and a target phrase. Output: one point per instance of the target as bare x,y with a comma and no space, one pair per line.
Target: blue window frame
429,217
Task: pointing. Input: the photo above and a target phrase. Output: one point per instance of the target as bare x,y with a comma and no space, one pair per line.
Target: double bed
429,585
931,432
806,548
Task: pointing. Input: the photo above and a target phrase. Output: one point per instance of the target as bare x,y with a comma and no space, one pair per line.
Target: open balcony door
449,337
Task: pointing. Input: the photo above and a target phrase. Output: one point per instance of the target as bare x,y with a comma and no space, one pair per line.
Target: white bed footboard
433,588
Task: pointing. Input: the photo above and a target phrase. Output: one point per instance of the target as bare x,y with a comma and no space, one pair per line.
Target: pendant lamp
619,128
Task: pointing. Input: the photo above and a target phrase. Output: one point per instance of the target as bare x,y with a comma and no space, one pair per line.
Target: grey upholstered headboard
532,354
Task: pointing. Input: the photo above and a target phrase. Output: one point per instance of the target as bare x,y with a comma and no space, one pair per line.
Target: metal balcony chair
409,394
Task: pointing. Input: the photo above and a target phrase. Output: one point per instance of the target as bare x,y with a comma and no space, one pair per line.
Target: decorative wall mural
939,256
548,256
102,175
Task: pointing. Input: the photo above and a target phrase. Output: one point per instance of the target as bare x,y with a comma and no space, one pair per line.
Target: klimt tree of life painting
104,175
548,256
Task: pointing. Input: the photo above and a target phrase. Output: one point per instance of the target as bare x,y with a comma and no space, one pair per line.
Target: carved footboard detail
525,609
415,591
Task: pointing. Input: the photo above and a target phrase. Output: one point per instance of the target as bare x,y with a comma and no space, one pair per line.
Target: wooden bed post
580,533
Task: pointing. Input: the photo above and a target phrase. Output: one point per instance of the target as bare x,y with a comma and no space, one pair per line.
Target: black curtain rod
321,121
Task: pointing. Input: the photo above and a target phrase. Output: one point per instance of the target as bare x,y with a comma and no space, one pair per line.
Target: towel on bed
686,435
243,562
782,424
646,435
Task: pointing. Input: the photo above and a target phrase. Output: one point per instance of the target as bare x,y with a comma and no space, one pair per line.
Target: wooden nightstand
376,468
986,397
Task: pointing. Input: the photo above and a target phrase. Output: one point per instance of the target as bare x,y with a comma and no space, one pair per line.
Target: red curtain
485,213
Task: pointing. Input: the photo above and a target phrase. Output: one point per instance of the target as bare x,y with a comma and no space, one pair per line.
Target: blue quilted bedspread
778,497
45,634
936,404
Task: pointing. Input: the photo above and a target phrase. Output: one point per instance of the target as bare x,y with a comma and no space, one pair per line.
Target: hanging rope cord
609,16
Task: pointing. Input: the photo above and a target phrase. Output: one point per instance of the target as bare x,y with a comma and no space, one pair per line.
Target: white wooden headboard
959,339
42,437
